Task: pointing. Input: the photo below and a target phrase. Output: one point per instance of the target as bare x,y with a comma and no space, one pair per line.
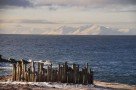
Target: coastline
7,84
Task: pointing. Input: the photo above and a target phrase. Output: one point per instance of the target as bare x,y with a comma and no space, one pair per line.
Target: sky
48,16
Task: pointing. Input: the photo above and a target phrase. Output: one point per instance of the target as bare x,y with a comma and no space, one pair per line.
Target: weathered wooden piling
14,73
32,71
59,73
26,71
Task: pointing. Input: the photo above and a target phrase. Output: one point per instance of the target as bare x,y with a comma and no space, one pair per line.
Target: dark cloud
83,2
87,4
26,3
20,3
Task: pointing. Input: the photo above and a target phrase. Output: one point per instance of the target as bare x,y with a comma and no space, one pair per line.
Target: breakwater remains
40,71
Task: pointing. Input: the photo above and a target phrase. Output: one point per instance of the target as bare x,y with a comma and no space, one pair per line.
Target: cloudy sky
47,16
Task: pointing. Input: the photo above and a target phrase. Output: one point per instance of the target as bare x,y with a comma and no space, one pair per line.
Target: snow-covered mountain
90,30
66,29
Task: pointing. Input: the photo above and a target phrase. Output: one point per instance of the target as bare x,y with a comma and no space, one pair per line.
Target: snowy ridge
91,29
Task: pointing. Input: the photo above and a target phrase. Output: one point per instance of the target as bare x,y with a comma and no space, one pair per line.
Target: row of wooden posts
39,72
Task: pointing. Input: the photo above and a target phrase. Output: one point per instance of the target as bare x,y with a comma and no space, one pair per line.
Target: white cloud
124,30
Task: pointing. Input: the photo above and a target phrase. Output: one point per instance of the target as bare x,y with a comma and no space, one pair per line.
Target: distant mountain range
73,29
90,30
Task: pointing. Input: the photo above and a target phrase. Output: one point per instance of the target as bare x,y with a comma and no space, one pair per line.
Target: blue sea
112,58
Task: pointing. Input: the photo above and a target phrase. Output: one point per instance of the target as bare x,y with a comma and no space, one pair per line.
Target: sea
112,58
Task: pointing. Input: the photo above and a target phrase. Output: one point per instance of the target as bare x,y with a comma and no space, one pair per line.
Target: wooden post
17,66
41,72
68,75
14,72
90,77
84,75
25,72
75,73
20,70
55,76
29,74
65,72
33,71
87,73
23,67
26,76
38,74
44,75
48,73
59,73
